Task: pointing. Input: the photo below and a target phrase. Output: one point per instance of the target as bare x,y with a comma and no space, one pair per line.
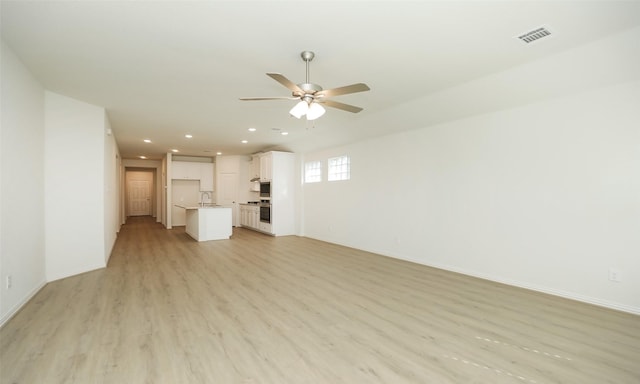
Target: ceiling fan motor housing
309,89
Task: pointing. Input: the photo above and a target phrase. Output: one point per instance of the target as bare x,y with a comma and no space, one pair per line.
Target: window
339,168
312,172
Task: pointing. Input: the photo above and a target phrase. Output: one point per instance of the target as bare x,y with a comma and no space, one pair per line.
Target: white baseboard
16,308
532,287
546,290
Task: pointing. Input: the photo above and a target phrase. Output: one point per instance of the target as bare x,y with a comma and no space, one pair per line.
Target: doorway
228,194
139,198
139,187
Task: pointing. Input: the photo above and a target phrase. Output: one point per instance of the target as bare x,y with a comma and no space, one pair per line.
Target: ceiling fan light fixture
299,109
315,110
310,94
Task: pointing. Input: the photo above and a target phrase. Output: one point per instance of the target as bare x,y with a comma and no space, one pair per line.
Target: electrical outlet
9,282
614,275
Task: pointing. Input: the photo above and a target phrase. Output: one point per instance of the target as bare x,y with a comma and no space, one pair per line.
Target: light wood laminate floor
257,309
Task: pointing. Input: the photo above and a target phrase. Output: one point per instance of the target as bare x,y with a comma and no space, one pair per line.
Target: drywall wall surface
544,196
21,185
74,186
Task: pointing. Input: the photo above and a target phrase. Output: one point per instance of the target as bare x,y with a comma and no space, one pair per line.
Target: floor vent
534,35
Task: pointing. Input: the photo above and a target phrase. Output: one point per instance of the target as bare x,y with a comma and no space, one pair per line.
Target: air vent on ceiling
534,35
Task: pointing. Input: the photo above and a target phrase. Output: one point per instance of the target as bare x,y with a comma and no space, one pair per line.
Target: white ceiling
163,69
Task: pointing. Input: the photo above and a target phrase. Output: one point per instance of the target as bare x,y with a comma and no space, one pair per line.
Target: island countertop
208,222
205,206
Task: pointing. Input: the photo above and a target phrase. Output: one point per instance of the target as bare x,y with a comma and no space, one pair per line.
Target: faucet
202,198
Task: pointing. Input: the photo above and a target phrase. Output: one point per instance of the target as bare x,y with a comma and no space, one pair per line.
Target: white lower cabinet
249,216
265,227
254,218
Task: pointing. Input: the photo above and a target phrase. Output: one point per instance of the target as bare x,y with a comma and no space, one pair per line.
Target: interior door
139,198
228,194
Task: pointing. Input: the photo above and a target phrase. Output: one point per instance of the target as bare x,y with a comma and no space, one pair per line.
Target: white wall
74,186
163,186
544,196
244,175
112,190
21,184
186,193
167,198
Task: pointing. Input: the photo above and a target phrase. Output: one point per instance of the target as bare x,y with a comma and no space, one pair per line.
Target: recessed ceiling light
188,136
174,150
143,157
147,140
218,153
244,141
252,129
284,133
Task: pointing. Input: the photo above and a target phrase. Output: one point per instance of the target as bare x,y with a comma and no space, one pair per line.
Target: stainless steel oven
265,213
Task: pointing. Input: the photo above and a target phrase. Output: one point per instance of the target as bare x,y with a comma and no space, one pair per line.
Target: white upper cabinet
266,166
255,167
185,170
206,177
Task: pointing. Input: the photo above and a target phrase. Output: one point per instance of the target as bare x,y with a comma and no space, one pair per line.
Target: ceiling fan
312,95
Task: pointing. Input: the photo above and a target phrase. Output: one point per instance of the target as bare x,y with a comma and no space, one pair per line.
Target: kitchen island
208,222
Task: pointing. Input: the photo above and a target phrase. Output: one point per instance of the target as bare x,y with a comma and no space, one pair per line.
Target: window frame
340,170
317,170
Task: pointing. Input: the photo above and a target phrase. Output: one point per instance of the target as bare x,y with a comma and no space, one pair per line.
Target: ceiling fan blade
268,98
286,82
343,106
353,88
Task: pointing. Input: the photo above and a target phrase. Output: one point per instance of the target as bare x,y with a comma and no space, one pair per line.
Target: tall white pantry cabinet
278,168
